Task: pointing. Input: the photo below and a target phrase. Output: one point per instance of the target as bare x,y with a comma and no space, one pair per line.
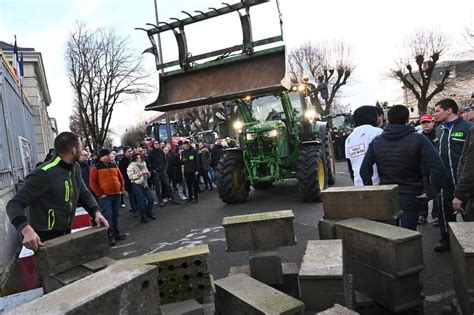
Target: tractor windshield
270,108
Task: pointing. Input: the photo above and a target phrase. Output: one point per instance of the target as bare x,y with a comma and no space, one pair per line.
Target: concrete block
391,249
188,307
370,202
260,231
327,229
69,251
321,276
120,289
72,275
265,266
394,293
183,273
338,310
99,264
240,294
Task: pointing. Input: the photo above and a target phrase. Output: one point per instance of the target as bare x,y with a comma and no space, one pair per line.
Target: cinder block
188,307
321,276
183,273
260,231
327,229
69,251
338,310
391,249
119,289
395,293
240,294
265,266
378,202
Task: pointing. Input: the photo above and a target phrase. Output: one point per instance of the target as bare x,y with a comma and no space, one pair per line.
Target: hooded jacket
400,153
52,192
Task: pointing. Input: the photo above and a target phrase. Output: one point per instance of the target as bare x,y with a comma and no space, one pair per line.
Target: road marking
128,253
124,245
439,297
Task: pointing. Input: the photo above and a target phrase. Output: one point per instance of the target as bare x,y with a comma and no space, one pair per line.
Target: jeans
205,177
144,199
193,185
411,209
212,174
162,181
111,205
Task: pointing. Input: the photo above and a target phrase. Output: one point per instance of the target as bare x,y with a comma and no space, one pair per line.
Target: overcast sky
375,30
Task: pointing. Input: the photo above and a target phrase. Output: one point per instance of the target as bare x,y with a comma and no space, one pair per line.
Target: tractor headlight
301,88
238,125
270,134
310,114
251,136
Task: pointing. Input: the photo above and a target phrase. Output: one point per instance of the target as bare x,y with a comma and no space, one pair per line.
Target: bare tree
421,71
134,136
103,72
329,62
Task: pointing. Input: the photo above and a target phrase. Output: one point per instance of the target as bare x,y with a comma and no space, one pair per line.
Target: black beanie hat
102,153
365,115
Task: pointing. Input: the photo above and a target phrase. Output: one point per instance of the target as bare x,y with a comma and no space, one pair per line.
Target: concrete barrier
321,276
393,250
370,202
462,252
240,294
261,231
119,289
338,310
183,273
265,266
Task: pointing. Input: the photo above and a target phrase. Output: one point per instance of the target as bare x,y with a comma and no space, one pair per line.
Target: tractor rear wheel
232,183
311,172
330,158
263,185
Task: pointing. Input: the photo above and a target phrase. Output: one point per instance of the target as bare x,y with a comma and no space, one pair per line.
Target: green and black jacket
52,191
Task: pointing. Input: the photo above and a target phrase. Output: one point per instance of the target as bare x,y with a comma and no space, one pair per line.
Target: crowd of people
432,160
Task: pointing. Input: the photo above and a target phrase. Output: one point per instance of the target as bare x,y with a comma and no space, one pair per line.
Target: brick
391,249
260,231
183,273
240,294
370,202
394,293
321,276
338,310
188,307
69,251
265,266
119,289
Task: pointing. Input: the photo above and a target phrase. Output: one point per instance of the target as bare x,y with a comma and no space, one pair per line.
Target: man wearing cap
107,183
428,130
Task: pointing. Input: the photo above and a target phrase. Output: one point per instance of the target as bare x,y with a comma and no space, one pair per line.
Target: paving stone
99,264
391,249
241,294
338,310
69,251
183,273
321,276
119,289
462,253
265,266
378,202
260,231
188,307
394,293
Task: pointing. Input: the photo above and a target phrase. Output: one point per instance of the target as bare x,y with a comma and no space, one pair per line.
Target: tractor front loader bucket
263,72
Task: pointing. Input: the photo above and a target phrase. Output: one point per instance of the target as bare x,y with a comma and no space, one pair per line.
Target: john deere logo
458,134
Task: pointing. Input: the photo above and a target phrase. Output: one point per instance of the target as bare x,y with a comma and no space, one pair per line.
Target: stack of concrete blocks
378,203
322,280
66,259
385,262
118,289
262,234
338,310
183,275
241,294
461,238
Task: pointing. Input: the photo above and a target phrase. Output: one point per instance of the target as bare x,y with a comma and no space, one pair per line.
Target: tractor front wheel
232,183
311,172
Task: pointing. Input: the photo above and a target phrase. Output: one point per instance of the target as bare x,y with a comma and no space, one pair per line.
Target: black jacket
52,192
123,165
216,153
190,161
157,160
400,153
85,171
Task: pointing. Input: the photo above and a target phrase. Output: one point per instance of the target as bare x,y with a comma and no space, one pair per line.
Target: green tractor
280,135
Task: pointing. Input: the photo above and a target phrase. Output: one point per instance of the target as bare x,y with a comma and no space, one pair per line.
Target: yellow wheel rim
236,179
320,174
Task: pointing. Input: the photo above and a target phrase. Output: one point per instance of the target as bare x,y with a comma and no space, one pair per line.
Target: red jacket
106,180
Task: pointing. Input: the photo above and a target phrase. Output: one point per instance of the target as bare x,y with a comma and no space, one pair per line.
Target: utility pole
160,56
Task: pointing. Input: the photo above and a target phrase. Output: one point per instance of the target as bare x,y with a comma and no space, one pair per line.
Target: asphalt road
195,224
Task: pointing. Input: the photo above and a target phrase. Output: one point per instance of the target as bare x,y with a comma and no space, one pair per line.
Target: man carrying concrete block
52,191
